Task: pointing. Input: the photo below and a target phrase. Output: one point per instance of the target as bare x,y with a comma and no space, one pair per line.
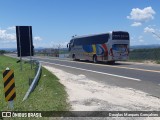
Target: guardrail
35,80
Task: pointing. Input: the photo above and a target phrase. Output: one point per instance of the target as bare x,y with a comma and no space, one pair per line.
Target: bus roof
75,37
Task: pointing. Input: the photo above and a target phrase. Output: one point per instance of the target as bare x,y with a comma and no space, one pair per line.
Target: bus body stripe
94,49
105,48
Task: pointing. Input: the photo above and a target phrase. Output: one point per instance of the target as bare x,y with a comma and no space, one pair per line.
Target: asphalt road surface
139,76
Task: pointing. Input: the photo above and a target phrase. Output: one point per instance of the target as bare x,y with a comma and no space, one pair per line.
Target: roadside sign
24,41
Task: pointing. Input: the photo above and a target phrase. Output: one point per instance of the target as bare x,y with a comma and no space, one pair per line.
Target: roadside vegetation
142,55
49,94
2,52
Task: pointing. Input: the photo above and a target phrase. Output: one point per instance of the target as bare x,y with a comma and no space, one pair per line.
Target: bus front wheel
95,59
74,57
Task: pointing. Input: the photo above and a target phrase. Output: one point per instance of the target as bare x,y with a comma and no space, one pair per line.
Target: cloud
142,14
149,29
4,36
155,32
37,38
11,28
136,24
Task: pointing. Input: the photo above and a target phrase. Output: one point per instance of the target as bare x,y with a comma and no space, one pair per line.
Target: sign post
9,87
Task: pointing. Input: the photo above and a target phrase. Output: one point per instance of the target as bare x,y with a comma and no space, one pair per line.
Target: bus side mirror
67,46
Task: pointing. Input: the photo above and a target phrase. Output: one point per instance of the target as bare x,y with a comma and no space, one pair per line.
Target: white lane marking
106,65
94,71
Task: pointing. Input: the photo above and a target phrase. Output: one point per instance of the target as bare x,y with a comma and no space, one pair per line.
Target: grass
158,61
143,55
49,94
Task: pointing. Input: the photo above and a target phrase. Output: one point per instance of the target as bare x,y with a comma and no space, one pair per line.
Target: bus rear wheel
111,62
73,57
95,59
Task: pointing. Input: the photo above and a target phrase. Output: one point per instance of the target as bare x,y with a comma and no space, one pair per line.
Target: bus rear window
120,36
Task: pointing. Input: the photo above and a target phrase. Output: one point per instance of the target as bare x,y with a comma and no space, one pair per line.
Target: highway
139,76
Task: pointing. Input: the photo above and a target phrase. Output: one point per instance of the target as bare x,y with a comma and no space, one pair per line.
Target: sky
54,22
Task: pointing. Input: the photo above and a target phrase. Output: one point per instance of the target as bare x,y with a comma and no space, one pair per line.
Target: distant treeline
145,54
2,52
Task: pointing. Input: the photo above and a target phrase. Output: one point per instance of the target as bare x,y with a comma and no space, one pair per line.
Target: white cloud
4,36
11,28
37,38
136,24
155,32
142,15
149,29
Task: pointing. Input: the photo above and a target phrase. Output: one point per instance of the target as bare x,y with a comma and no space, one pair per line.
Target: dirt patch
150,62
87,95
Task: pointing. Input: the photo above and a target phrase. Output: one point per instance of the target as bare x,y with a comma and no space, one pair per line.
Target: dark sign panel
120,35
24,41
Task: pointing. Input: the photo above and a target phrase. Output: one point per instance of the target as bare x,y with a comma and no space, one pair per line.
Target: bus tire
95,59
73,57
111,62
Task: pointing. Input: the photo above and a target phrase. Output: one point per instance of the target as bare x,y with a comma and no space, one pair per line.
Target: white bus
109,47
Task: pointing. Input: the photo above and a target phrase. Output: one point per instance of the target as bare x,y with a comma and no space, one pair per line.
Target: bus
109,47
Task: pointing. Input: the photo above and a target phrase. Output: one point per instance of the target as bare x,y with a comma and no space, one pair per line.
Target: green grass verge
49,94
